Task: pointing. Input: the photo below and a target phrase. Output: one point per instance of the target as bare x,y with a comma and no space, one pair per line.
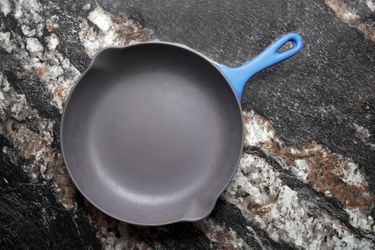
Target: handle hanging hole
287,46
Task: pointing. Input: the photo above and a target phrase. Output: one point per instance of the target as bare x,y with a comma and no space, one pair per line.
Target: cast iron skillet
152,133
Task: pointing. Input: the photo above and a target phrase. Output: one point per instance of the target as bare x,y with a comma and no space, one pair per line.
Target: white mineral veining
16,108
53,72
32,146
40,28
100,18
253,176
27,31
111,32
112,242
50,67
371,5
256,236
350,16
242,184
48,61
14,104
353,175
226,238
350,172
5,7
34,176
94,41
364,135
27,11
86,6
362,131
43,169
360,220
343,10
287,211
5,42
286,217
301,169
4,84
52,41
60,75
256,132
33,45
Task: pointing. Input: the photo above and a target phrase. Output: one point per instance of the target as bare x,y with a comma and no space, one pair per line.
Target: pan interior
152,134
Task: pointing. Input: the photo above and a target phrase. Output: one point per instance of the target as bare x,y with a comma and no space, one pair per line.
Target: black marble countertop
307,174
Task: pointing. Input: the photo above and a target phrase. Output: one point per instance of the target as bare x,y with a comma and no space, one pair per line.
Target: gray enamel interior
152,134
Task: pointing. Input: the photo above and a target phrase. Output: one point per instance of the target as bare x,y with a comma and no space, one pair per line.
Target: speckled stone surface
307,175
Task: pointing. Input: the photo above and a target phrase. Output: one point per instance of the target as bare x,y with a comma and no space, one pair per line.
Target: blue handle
270,56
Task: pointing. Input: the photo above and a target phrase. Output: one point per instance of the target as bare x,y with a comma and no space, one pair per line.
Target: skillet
152,133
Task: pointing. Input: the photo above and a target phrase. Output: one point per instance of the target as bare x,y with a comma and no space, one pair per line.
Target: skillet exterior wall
306,178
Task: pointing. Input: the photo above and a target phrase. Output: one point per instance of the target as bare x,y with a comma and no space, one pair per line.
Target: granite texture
306,178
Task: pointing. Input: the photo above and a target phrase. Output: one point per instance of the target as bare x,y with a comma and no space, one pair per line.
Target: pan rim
214,196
